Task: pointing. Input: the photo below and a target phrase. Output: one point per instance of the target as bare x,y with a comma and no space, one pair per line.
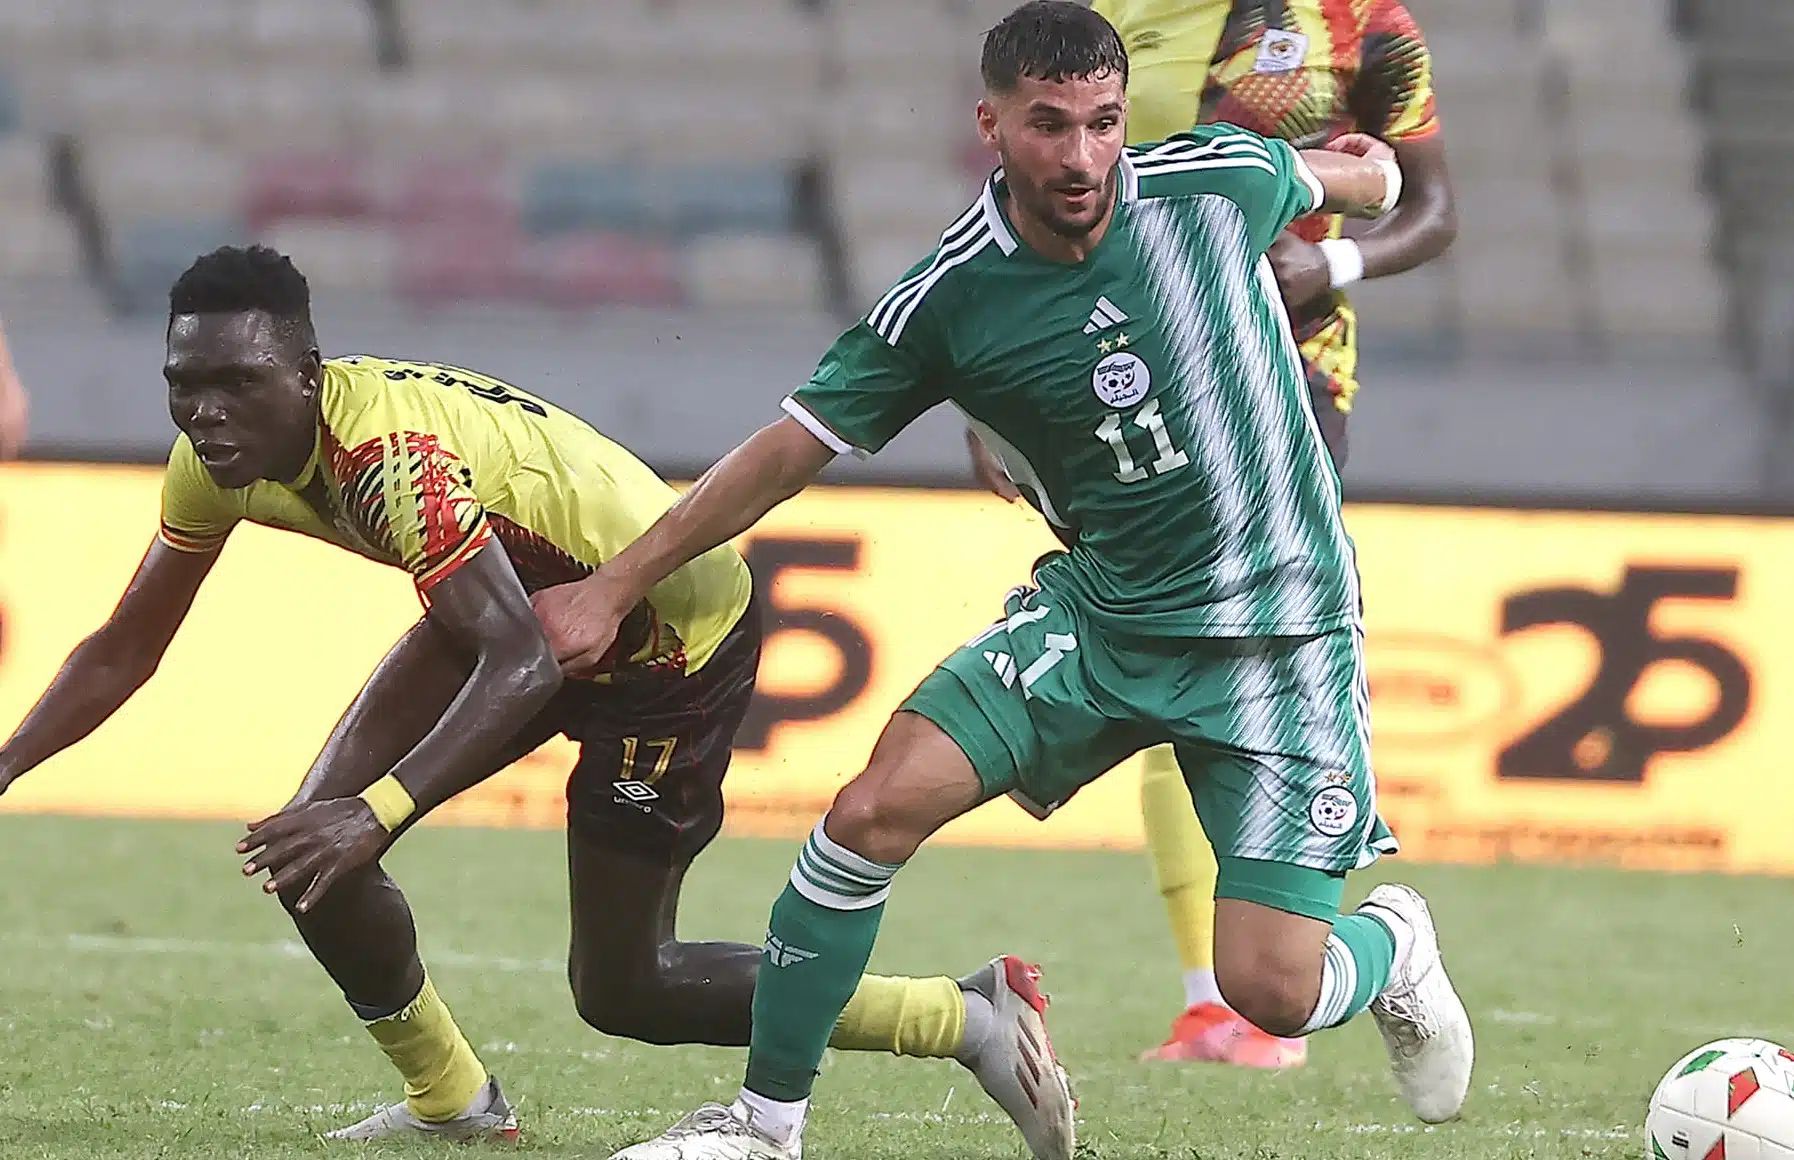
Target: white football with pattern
1732,1099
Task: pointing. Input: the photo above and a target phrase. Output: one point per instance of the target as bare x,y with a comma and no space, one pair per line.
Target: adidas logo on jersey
783,954
1105,315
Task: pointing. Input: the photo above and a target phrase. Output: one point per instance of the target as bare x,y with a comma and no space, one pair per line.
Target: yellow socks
921,1017
442,1074
1182,860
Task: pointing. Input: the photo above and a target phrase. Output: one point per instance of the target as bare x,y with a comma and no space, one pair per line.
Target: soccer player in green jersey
1106,319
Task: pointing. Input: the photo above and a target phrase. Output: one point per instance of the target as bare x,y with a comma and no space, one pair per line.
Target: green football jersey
1149,400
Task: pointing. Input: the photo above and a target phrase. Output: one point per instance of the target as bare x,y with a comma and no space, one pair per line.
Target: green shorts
1272,734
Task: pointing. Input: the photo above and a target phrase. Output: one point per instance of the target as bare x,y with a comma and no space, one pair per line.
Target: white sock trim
1200,987
780,1121
1339,978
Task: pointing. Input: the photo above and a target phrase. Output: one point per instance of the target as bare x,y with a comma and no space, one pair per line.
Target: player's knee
627,1008
867,822
1274,991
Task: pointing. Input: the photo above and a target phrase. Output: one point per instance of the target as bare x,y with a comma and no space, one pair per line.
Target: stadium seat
566,197
307,185
10,114
585,270
161,177
39,243
23,184
442,262
764,271
149,254
468,189
337,34
33,31
672,199
347,255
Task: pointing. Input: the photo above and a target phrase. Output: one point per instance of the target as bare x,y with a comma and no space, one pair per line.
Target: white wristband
1345,261
1392,184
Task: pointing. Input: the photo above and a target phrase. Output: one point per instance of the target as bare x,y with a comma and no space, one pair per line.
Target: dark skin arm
112,664
1420,228
775,463
484,611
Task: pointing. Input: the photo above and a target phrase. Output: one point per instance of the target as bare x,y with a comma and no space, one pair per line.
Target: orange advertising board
1559,686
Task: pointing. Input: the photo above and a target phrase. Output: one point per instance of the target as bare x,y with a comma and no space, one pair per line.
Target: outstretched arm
775,463
112,664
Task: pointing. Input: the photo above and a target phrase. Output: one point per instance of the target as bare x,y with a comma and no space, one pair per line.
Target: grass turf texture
155,1004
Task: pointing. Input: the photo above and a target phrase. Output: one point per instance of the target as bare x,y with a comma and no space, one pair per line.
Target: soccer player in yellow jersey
1308,71
485,494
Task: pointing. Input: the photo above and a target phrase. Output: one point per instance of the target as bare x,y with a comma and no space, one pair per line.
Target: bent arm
1424,223
104,670
485,613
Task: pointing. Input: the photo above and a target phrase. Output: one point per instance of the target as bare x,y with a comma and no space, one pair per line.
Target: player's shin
817,945
925,1018
1354,970
442,1074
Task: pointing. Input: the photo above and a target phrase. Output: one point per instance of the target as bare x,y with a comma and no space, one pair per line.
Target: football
1728,1100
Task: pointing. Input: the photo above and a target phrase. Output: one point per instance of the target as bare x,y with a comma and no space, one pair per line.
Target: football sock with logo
442,1074
1354,970
1185,868
817,945
920,1017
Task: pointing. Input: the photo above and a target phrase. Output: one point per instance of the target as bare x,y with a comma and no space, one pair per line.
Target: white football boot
1423,1023
489,1117
1015,1065
713,1132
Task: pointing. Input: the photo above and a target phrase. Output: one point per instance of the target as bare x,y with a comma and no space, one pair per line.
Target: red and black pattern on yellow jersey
1307,71
422,467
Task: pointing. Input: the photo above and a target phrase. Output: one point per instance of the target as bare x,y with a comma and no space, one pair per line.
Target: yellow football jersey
1306,71
421,466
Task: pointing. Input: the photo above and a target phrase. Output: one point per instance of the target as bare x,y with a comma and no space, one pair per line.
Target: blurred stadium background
658,213
659,210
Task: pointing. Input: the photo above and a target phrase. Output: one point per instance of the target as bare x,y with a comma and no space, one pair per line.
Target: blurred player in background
1307,71
13,406
484,494
1104,317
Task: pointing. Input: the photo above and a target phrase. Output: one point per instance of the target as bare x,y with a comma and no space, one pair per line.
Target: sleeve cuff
821,430
1316,191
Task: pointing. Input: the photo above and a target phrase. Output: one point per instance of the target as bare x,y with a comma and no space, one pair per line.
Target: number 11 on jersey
1151,421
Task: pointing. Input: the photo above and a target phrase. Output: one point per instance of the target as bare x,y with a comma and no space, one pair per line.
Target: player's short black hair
1051,40
235,279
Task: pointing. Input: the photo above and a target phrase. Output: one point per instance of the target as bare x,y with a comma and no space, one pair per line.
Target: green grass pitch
155,1005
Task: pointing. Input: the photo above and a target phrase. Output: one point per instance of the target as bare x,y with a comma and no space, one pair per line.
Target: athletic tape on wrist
1392,184
1345,261
390,801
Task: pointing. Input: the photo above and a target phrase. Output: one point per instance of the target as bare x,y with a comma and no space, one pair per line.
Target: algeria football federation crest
1122,379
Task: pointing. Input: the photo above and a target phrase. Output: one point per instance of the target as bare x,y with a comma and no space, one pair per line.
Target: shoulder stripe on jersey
1213,163
1158,160
970,251
970,242
951,236
1177,149
881,318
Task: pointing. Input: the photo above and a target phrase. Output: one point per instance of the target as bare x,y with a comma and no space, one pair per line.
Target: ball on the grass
1732,1099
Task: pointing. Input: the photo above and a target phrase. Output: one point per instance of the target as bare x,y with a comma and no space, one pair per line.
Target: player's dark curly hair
235,279
1051,40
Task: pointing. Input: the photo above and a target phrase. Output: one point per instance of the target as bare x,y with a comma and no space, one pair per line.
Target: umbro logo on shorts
635,791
